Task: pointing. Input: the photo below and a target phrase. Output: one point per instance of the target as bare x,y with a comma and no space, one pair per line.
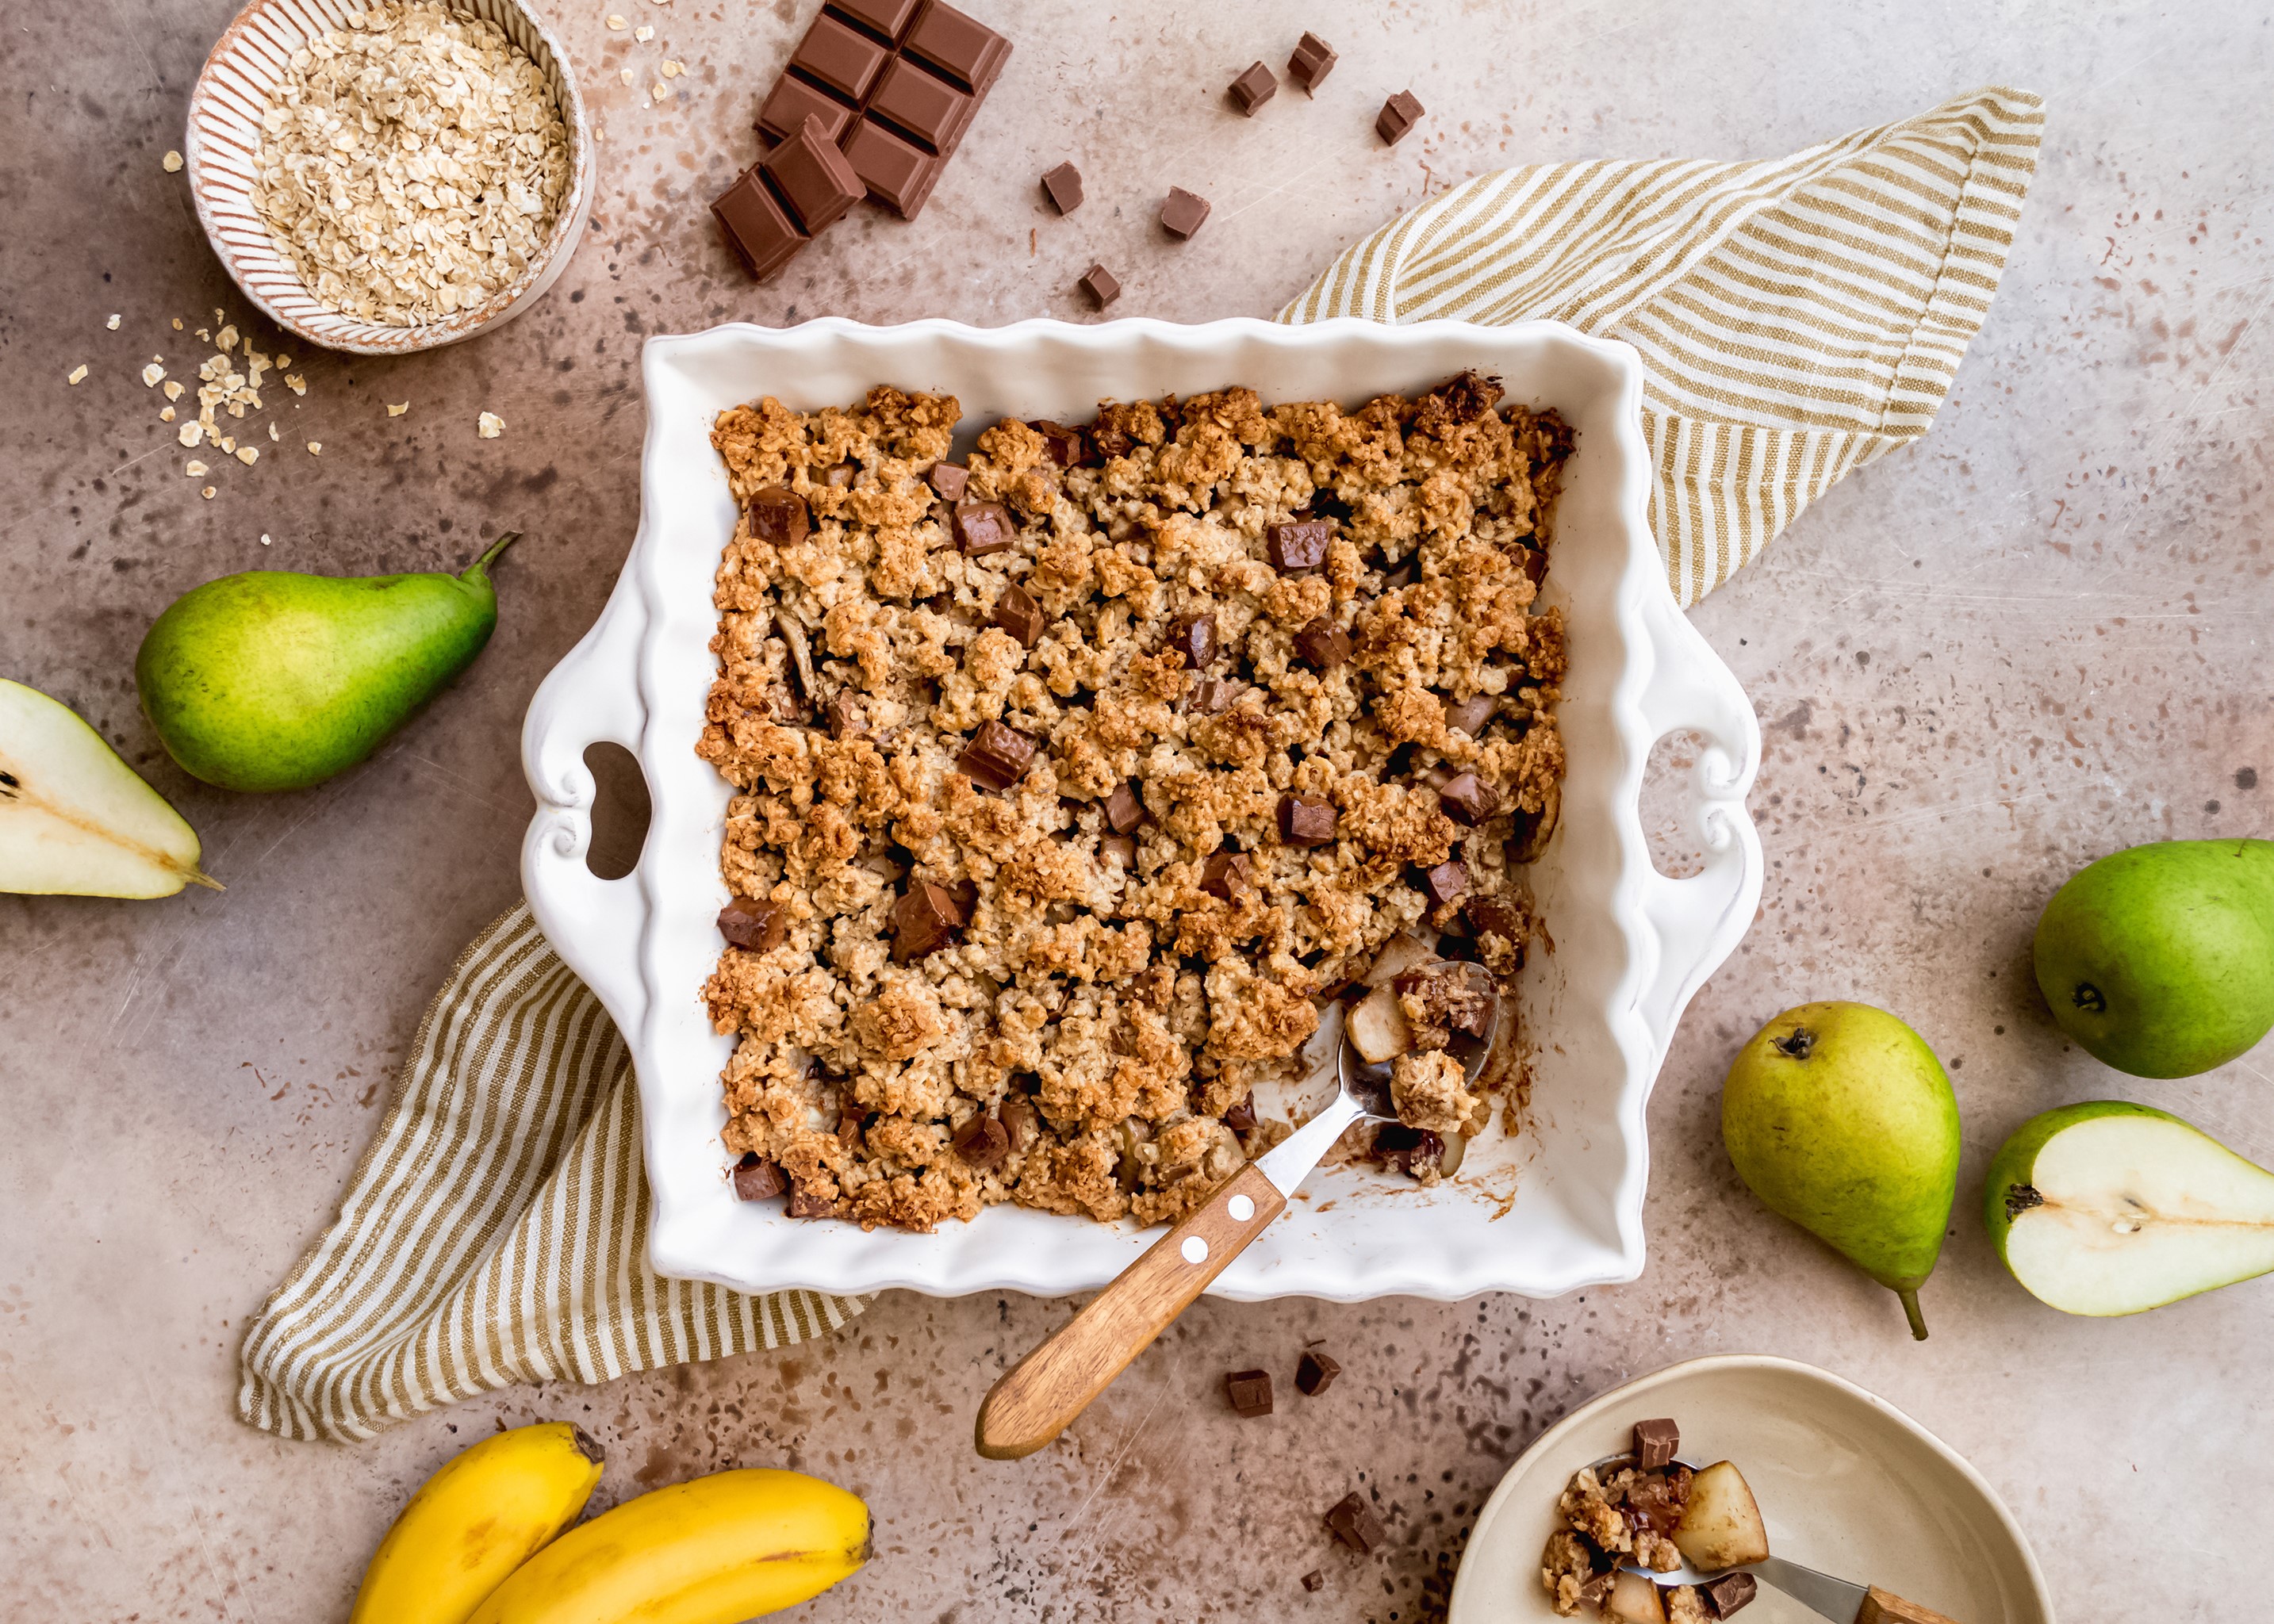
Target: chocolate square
1398,115
813,177
983,1141
1182,211
839,56
1314,1580
1726,1594
897,172
1315,1373
923,921
1017,613
1470,715
1656,1443
756,1178
1306,821
1211,695
792,101
1299,544
1255,86
1468,799
1064,185
756,927
961,47
1445,882
1312,61
1321,644
756,226
982,528
1194,637
1225,872
1102,286
1125,809
949,480
1118,848
779,515
1249,1391
1351,1521
997,756
921,104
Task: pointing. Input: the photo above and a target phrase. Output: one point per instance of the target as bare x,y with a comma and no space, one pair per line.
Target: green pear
1840,1117
2160,961
2112,1209
275,680
74,818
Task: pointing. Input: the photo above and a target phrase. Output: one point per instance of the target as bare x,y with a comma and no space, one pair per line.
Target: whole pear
272,680
1841,1118
2159,959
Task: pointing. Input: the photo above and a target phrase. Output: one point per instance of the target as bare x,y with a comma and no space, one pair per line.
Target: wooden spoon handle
1039,1396
1879,1607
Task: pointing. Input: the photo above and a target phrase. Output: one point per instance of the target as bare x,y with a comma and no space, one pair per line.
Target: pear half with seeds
75,819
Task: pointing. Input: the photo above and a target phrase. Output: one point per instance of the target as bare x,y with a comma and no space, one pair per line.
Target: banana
715,1550
475,1521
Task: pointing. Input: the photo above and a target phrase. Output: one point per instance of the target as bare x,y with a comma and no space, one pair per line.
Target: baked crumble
1071,778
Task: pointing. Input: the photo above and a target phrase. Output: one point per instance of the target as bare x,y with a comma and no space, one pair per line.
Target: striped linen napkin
1797,318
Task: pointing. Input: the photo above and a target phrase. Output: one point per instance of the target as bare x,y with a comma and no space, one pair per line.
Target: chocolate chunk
1118,848
1315,1373
1411,1150
1351,1521
1224,872
1104,287
777,514
1125,808
1194,634
842,475
1249,1391
1109,440
1597,1590
962,48
1253,88
1468,799
1321,644
1314,1580
843,717
1064,185
1062,444
1535,564
983,1141
1182,211
949,479
997,756
756,226
756,1178
792,101
894,170
1022,1125
1312,61
1398,115
921,105
1448,880
1470,715
1306,820
883,18
759,927
842,58
1489,916
1240,1115
924,920
806,1203
1301,544
1402,577
813,176
1656,1443
966,896
848,1129
1211,695
1017,613
1729,1592
982,528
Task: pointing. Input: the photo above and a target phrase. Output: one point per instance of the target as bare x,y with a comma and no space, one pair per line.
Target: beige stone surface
2036,636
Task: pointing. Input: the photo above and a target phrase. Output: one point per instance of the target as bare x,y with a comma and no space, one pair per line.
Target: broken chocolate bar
982,528
1315,1373
1253,88
1468,799
1397,116
813,176
756,226
1656,1443
1249,1391
948,479
792,101
1125,808
997,756
756,1178
1017,613
1729,1592
1102,286
1064,185
983,1141
1182,211
1306,820
1321,644
1301,544
1223,873
1445,882
924,920
758,927
1195,636
1312,61
1351,1521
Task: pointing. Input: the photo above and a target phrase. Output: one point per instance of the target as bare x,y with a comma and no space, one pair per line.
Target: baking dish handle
1698,922
597,926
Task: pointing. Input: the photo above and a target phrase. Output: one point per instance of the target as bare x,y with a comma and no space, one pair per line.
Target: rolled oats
172,164
153,375
76,373
489,425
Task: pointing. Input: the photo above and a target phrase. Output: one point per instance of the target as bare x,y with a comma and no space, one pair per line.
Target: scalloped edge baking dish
1556,1207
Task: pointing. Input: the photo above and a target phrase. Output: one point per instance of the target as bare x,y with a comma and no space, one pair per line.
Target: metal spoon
1036,1398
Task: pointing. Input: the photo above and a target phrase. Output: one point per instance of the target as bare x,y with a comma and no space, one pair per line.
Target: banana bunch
481,1542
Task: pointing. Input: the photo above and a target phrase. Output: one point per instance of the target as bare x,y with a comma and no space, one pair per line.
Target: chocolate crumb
805,1204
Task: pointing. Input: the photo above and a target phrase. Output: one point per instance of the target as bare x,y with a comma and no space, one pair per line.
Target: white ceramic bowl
250,56
1554,1208
1847,1483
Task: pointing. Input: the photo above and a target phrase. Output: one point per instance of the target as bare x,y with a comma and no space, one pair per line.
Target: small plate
1847,1483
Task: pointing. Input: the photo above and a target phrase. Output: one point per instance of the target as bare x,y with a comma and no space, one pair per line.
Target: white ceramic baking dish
1555,1206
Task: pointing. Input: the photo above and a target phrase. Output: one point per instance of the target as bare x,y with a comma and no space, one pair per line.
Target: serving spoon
1039,1396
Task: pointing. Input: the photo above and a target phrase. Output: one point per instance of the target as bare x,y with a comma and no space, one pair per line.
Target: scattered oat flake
112,325
618,22
77,372
226,338
178,324
264,538
282,361
194,468
248,455
272,435
190,433
205,335
153,375
661,92
173,162
624,74
315,447
165,414
209,493
173,390
396,412
642,33
489,425
672,70
295,383
228,444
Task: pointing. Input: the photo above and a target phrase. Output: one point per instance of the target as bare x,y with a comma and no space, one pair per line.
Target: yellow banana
716,1551
475,1521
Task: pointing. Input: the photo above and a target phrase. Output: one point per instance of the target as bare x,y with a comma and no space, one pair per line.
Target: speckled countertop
2036,636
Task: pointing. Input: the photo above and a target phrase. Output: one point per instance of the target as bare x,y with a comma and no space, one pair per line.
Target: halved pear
74,818
1721,1524
2109,1207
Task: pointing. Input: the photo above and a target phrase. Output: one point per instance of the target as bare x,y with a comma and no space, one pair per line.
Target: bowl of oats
390,176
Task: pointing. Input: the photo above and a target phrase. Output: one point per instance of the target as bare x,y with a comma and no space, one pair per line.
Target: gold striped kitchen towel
496,1230
1797,317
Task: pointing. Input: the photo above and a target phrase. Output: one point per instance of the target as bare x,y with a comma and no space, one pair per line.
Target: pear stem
198,876
478,568
1910,1296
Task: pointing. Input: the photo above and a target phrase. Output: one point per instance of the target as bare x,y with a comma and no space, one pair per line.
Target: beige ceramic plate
1847,1483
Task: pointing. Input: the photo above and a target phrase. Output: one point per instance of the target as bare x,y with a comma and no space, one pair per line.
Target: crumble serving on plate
1068,778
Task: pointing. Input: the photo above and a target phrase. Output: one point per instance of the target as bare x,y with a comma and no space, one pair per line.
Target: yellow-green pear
75,818
272,680
1841,1118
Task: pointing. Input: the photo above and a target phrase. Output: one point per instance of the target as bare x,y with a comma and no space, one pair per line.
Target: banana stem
478,569
1911,1312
